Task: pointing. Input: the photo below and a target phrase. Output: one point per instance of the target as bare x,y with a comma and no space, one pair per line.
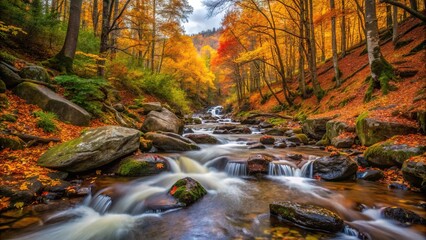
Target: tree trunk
343,30
315,84
64,59
107,6
388,16
302,83
381,71
395,25
115,32
413,4
334,44
95,17
153,35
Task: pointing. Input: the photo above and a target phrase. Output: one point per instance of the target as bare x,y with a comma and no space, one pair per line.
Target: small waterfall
236,168
101,203
282,169
185,165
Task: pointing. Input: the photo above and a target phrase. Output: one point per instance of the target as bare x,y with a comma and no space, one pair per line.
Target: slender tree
334,44
63,61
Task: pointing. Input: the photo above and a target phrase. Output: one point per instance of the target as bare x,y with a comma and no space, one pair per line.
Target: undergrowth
88,93
45,121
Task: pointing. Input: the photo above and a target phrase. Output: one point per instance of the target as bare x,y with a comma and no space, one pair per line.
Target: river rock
316,127
267,140
240,130
254,145
293,139
171,142
52,102
335,168
414,171
390,153
334,128
274,132
187,191
9,77
94,148
143,165
343,142
250,121
151,106
35,73
266,125
201,138
370,175
371,131
164,121
307,215
280,144
259,163
403,216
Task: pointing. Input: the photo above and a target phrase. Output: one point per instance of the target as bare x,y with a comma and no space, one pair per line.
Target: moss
303,138
14,143
187,191
4,102
346,101
133,168
359,125
45,121
276,121
382,154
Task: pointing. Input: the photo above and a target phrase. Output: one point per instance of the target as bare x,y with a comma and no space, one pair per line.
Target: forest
297,119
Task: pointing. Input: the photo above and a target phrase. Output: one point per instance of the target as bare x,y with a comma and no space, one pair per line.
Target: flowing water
236,206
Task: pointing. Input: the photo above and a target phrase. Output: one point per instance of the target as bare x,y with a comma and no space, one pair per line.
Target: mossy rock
187,191
8,118
308,216
11,142
302,137
387,154
371,131
316,128
421,118
141,166
414,171
2,87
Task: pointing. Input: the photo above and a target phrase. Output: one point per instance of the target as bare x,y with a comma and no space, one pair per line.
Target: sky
199,20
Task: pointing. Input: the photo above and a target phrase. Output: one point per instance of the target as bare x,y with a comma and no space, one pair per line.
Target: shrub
87,93
46,121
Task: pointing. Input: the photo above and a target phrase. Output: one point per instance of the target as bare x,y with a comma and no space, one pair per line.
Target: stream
236,206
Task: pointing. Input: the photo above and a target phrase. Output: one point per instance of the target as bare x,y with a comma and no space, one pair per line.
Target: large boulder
171,142
274,132
259,163
334,128
9,77
335,168
94,148
35,73
202,138
52,102
371,131
391,153
316,127
143,165
151,106
164,121
414,171
307,215
187,191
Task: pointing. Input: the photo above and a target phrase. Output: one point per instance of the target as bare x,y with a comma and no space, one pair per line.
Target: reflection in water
234,208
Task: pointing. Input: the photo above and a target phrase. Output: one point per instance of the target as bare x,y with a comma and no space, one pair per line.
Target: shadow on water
236,206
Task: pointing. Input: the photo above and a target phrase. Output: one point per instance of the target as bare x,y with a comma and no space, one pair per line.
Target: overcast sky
199,21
